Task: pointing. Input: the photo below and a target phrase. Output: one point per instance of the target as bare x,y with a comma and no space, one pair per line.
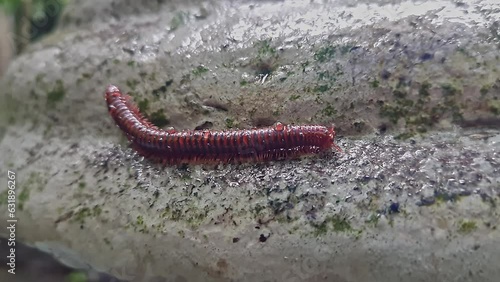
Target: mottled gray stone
419,207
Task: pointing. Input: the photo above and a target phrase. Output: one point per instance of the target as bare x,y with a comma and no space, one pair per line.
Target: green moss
86,75
56,94
177,21
281,218
321,229
166,213
3,197
143,105
375,83
264,47
132,83
494,106
329,111
336,222
140,220
158,118
152,76
39,77
196,219
229,123
199,70
131,64
258,209
325,54
243,82
393,112
294,97
466,227
324,75
76,276
373,219
81,215
143,74
419,119
399,94
176,215
405,135
81,185
340,224
448,89
321,88
23,197
96,211
485,89
344,49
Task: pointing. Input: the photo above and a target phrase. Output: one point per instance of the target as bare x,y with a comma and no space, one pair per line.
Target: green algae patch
139,224
329,111
158,118
132,83
76,276
22,198
143,105
325,54
199,70
85,213
424,89
321,88
334,223
418,111
466,226
34,181
494,106
484,90
230,123
178,20
81,215
265,48
449,89
265,61
375,83
57,93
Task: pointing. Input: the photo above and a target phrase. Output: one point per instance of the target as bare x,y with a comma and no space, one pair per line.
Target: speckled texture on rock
421,208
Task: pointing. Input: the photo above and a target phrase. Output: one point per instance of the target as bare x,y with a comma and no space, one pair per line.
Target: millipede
277,142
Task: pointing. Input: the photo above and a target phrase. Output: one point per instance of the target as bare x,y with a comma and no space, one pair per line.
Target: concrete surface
413,88
6,45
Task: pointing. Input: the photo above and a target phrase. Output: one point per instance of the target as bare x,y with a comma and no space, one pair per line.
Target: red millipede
207,146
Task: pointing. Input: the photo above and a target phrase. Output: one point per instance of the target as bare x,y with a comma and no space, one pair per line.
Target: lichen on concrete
412,186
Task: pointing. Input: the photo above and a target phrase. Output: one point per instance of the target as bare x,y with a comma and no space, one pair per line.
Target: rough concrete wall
6,46
412,87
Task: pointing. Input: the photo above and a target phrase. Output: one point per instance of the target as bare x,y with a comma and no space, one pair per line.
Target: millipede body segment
208,146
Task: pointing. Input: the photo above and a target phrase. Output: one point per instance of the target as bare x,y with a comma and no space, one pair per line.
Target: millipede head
331,135
112,90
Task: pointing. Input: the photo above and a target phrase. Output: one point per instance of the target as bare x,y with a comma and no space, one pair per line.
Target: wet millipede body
208,146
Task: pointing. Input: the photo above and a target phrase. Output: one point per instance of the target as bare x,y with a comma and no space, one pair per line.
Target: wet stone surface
412,87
